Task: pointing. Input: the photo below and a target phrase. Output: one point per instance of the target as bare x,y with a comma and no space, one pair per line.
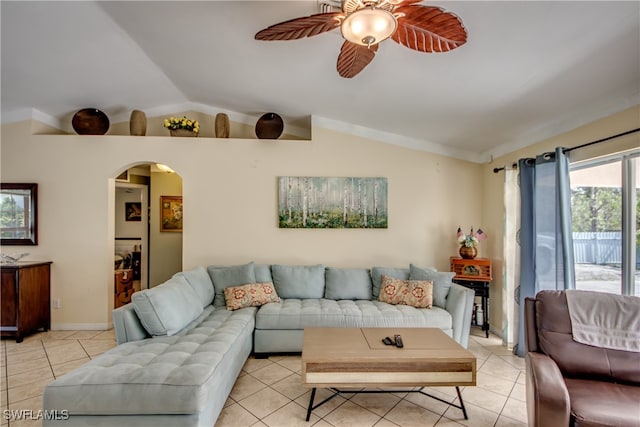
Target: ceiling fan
366,23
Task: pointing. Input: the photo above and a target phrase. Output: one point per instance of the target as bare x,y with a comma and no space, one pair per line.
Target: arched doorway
146,252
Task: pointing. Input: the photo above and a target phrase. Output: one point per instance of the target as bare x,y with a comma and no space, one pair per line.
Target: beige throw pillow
416,293
250,295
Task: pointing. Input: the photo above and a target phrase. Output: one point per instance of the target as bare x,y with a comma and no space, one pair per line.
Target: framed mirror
18,214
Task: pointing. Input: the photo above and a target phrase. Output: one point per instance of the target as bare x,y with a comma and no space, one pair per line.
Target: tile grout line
6,357
84,349
49,361
46,353
390,409
275,410
509,396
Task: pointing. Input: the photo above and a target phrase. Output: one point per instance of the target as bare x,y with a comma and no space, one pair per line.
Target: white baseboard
81,326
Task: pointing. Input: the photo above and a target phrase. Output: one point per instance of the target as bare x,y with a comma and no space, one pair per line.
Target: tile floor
268,391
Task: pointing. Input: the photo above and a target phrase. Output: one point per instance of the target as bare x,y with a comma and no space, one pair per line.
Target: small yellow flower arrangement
175,123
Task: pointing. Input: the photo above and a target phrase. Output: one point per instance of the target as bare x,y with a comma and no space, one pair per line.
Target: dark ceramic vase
269,126
90,121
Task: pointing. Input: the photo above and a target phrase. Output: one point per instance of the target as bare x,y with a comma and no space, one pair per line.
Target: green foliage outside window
11,218
599,209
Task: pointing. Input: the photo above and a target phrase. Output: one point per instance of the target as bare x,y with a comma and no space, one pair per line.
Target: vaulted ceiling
530,69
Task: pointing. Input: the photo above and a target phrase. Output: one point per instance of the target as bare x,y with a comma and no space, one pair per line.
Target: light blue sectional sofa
180,350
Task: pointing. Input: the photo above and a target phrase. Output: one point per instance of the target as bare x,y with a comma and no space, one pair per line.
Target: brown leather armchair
573,384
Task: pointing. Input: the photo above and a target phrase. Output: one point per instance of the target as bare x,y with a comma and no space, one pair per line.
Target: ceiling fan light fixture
368,26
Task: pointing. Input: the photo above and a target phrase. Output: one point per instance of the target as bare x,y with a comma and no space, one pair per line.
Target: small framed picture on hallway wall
171,213
133,211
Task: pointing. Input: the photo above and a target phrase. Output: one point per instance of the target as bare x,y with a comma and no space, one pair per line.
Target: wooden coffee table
337,358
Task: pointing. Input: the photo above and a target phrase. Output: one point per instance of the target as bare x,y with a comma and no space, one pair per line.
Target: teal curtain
545,237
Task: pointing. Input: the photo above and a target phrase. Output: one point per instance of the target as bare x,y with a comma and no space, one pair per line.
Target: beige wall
493,189
230,204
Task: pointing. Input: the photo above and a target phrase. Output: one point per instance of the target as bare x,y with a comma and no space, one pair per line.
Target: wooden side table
475,274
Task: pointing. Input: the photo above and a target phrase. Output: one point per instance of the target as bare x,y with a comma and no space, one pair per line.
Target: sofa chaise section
170,380
181,378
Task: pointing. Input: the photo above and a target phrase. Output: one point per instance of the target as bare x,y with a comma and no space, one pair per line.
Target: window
605,204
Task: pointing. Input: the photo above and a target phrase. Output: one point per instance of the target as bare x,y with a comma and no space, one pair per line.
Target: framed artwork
133,211
171,213
330,202
19,214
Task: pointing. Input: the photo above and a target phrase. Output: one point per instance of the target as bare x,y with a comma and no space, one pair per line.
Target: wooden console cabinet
26,298
475,274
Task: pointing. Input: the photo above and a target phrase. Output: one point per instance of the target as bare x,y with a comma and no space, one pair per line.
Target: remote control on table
399,342
388,341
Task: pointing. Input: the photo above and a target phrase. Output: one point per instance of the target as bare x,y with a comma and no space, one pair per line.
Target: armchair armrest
547,396
127,325
460,305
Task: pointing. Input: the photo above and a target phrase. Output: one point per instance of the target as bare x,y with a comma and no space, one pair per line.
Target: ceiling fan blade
301,27
353,58
429,29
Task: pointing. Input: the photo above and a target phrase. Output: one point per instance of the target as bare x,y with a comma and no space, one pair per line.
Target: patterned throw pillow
251,295
416,293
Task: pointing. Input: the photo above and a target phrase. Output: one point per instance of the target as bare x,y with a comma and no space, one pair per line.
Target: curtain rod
566,150
513,166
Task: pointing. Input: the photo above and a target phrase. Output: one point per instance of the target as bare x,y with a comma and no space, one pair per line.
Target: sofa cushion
441,282
180,374
200,281
347,283
251,295
301,313
224,277
378,272
263,273
167,308
602,403
416,293
298,281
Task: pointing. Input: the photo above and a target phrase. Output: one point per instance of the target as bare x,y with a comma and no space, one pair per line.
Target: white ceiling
530,69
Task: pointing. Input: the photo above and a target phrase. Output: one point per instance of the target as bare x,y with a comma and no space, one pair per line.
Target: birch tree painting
328,202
